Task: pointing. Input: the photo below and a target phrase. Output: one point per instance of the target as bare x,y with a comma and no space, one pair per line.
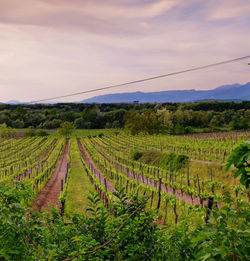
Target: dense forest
149,118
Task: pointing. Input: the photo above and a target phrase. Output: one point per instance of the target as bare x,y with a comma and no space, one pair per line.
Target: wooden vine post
209,208
199,188
170,172
188,182
61,184
152,197
106,190
159,195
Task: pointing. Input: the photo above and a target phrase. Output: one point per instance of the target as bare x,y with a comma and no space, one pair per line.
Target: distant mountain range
234,92
14,102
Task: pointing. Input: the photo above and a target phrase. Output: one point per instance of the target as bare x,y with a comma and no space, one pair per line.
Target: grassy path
79,184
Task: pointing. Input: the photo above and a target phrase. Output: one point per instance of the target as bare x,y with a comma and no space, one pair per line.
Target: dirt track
51,192
206,162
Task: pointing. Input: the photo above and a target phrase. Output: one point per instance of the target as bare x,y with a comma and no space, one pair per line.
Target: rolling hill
234,92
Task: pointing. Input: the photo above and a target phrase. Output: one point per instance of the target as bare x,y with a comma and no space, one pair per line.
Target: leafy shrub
135,155
164,159
127,232
7,132
31,132
116,133
206,130
178,129
42,133
151,157
66,128
188,130
225,237
177,161
240,159
239,124
180,161
130,231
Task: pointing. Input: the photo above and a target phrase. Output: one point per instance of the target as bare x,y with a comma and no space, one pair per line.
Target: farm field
182,177
104,157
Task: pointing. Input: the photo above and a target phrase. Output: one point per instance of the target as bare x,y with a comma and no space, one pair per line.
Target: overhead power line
145,79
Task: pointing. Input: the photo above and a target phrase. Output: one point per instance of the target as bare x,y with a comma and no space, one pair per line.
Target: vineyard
180,179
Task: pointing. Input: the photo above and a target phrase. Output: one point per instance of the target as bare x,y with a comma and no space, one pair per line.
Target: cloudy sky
56,47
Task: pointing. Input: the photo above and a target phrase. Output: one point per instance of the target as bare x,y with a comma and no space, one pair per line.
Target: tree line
148,117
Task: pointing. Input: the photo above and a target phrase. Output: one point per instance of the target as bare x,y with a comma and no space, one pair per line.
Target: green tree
4,130
7,132
146,122
166,117
66,128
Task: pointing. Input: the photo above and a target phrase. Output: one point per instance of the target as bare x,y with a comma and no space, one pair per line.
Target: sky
56,47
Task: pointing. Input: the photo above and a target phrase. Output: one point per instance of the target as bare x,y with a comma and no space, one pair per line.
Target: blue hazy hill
227,92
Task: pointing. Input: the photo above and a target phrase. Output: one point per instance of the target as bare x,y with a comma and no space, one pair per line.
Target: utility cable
145,79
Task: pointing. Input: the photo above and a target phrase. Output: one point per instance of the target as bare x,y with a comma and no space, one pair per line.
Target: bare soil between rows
51,191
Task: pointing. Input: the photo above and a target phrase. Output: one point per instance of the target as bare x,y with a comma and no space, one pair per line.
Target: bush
180,161
135,155
7,132
206,130
128,231
30,132
178,129
239,124
177,161
42,133
100,135
12,133
240,159
188,130
66,128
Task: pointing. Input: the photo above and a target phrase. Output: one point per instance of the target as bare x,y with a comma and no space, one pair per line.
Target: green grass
79,185
151,157
218,129
164,159
88,132
219,173
203,169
